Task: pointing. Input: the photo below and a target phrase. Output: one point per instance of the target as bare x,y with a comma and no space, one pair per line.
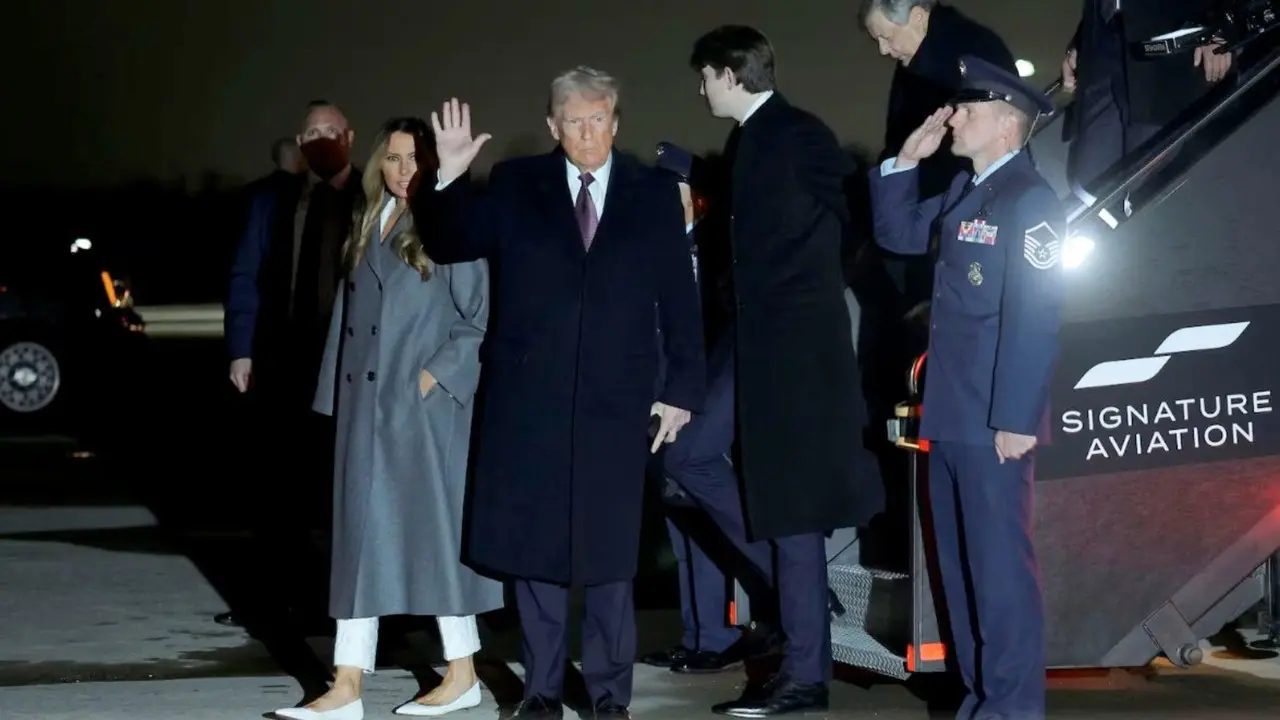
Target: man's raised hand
926,139
455,148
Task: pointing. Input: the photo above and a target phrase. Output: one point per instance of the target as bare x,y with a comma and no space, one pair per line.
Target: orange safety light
926,653
109,285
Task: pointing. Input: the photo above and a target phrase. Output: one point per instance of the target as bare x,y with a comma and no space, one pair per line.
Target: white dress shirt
764,97
598,190
598,187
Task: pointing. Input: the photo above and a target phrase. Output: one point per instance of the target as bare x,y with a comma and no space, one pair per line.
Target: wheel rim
29,377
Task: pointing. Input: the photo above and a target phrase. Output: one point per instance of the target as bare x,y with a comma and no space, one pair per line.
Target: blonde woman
400,370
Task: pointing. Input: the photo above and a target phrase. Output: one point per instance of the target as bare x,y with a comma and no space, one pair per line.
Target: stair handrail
1139,169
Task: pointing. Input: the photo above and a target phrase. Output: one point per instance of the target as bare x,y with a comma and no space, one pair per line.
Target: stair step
853,646
877,616
855,584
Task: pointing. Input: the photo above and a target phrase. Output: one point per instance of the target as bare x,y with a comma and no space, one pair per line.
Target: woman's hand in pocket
425,382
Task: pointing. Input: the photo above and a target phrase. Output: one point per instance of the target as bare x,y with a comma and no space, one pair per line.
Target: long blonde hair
407,245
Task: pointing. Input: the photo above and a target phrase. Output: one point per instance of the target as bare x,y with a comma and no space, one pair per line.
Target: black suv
69,338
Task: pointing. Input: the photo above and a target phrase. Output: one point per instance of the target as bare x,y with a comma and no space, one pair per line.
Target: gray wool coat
400,465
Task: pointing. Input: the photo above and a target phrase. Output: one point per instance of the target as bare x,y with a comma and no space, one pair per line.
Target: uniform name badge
977,231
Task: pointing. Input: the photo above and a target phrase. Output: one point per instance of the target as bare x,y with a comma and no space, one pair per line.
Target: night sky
100,92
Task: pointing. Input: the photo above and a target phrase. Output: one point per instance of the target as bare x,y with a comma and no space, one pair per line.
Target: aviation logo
1170,424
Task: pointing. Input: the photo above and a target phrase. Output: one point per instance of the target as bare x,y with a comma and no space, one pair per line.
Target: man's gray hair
895,11
585,81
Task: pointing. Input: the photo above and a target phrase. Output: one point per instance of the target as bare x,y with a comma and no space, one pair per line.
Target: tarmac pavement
107,618
113,566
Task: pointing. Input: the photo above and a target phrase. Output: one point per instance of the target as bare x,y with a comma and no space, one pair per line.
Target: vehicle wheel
31,382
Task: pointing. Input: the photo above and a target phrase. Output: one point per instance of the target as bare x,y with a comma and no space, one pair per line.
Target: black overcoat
801,414
932,80
569,360
1150,91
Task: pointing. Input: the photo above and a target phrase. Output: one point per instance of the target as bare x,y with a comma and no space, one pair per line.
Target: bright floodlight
1025,68
1076,249
81,244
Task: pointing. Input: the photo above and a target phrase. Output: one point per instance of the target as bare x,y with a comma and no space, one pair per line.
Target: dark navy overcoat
569,360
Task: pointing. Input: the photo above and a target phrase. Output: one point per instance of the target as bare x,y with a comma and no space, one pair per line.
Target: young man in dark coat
788,386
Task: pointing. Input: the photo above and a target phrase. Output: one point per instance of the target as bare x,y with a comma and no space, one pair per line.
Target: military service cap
981,81
675,160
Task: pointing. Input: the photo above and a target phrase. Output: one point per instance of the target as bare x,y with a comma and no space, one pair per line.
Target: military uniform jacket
993,337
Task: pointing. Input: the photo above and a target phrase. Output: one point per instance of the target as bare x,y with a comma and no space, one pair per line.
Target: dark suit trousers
608,639
289,507
982,519
697,461
1102,137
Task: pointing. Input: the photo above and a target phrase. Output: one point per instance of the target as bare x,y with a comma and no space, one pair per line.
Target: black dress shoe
607,709
705,662
539,708
667,658
779,696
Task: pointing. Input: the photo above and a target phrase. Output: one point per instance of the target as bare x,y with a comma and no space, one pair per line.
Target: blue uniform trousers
697,461
704,598
983,527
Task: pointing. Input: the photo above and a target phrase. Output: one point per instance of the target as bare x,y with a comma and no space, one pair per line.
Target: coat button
371,376
374,330
348,377
351,287
351,332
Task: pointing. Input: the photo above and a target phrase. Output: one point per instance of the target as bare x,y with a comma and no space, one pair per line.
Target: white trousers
357,640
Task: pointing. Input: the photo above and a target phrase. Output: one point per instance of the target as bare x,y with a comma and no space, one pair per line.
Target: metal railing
1137,170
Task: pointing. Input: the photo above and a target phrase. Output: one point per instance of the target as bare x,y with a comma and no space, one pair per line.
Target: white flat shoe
350,711
466,700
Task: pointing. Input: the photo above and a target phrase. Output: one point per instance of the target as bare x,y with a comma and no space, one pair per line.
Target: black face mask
326,157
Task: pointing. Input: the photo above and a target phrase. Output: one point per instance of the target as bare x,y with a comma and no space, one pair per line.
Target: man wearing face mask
283,280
